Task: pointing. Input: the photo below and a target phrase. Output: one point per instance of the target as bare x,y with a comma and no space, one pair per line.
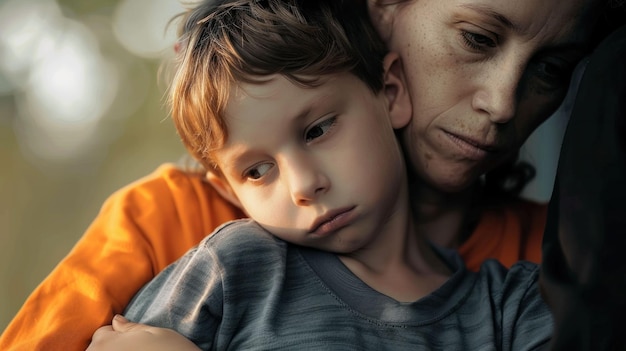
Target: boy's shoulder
243,240
238,231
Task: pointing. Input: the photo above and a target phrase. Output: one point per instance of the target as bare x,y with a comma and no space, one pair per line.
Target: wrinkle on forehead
558,21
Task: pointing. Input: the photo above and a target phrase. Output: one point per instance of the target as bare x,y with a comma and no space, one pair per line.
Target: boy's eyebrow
233,155
236,154
239,151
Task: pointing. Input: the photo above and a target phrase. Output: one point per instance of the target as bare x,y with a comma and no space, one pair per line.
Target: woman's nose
498,93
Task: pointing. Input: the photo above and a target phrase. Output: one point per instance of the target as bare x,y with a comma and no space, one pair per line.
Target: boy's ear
396,91
223,188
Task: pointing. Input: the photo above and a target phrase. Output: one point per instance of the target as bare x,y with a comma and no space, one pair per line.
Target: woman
483,75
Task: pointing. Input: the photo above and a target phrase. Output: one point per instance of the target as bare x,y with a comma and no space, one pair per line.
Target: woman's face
482,74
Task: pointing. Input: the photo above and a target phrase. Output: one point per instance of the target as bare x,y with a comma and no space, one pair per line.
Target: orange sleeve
508,233
139,231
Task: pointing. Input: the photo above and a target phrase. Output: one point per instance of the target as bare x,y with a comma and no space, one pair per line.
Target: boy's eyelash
256,172
329,123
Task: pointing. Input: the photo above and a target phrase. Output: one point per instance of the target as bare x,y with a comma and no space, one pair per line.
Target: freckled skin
472,76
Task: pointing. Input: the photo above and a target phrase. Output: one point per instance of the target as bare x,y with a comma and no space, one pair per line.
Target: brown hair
222,43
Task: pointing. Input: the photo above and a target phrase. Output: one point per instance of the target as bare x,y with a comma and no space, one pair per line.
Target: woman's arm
139,231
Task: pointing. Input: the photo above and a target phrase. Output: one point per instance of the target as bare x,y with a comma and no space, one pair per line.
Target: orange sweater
147,225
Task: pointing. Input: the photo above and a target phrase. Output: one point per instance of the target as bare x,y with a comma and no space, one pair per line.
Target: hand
124,335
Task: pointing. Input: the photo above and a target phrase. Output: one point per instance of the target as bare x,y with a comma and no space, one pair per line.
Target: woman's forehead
568,20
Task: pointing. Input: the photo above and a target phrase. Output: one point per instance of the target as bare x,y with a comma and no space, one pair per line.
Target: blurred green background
81,115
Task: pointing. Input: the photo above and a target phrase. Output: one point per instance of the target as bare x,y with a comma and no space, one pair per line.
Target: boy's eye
319,129
477,41
257,171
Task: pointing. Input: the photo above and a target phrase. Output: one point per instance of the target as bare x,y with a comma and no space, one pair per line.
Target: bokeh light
24,25
139,25
81,115
63,84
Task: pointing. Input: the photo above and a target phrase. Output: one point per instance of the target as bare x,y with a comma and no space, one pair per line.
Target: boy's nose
306,181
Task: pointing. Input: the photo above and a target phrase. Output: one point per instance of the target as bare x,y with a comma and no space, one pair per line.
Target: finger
100,332
121,324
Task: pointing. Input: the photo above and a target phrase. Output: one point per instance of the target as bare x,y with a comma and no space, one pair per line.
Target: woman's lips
470,148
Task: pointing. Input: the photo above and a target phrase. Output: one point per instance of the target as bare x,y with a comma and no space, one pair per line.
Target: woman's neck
446,219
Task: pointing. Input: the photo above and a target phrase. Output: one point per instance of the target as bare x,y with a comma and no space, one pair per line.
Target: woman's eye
553,71
552,74
257,171
477,41
319,129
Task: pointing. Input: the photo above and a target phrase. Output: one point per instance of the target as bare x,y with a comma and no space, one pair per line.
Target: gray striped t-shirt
243,289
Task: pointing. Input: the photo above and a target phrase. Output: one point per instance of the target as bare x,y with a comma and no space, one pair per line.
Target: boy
291,106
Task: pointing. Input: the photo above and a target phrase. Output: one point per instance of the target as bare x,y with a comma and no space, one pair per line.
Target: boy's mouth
332,221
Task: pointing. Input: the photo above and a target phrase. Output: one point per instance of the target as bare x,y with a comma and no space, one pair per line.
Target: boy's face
318,166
